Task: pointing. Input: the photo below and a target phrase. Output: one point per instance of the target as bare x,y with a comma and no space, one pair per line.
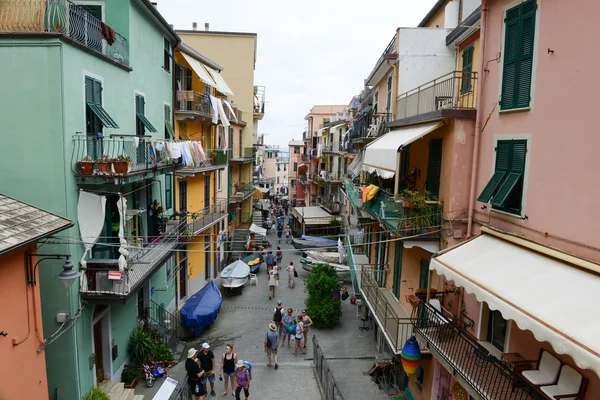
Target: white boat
342,271
326,256
235,274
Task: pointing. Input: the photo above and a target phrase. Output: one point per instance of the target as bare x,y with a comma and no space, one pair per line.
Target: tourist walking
272,284
278,314
195,374
279,233
270,260
291,275
207,363
228,361
288,233
299,335
272,344
279,255
276,269
243,378
306,322
273,227
289,323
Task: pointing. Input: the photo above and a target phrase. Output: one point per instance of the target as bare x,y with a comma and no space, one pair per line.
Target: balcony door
496,333
397,268
207,192
434,167
183,277
183,196
424,273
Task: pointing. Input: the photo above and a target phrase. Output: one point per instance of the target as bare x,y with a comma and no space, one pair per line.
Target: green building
81,81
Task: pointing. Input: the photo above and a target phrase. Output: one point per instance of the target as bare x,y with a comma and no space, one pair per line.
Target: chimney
194,26
206,26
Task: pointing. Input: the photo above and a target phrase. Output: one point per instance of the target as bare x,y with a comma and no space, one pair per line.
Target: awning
380,155
221,85
553,299
200,70
257,194
264,190
312,215
258,230
356,165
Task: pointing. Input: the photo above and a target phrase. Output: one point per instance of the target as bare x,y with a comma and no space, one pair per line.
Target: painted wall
468,6
163,290
428,365
411,267
381,87
563,140
423,57
438,17
23,369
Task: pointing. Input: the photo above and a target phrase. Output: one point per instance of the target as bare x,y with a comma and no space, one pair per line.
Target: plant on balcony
104,164
411,198
187,234
121,164
323,309
86,165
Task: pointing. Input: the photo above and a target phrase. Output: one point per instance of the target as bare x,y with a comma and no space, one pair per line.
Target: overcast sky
309,52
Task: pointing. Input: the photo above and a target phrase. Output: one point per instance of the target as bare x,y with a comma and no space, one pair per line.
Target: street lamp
67,276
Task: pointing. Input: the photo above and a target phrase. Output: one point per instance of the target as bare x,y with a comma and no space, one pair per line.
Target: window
296,149
390,82
293,183
277,179
269,155
167,55
295,166
467,68
285,167
505,188
168,191
326,120
141,122
169,132
220,179
376,101
278,167
96,116
496,333
183,196
518,55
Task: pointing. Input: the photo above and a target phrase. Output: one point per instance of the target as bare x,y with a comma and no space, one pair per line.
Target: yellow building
202,112
236,52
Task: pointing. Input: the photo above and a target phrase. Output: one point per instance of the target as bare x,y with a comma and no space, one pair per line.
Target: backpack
277,315
249,366
268,341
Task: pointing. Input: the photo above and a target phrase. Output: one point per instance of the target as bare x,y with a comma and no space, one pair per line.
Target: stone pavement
244,320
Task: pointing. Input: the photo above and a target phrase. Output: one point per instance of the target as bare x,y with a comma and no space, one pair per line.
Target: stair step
138,397
105,385
116,390
127,394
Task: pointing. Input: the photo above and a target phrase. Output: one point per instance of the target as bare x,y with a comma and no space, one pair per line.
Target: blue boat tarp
318,239
202,308
254,261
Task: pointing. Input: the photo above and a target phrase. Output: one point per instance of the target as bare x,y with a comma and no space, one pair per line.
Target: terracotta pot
87,167
103,168
131,385
408,204
120,167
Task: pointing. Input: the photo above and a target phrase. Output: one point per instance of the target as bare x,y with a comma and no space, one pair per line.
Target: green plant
320,285
130,372
142,345
105,158
96,394
163,353
420,217
414,196
187,234
87,159
334,222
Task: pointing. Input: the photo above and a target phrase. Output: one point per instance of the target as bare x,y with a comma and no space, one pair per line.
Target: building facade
297,172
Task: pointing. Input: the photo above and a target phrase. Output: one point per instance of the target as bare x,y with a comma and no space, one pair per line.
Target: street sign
115,275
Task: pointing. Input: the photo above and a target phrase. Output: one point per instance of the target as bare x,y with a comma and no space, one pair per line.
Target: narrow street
244,320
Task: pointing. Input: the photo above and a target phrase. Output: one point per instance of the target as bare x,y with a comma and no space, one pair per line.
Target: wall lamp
67,276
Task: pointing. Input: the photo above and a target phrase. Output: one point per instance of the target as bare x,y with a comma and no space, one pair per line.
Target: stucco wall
563,160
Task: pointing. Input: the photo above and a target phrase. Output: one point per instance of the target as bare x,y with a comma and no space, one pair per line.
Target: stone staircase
117,391
238,248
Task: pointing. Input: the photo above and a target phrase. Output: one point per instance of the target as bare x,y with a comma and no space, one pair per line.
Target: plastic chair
570,385
547,370
253,278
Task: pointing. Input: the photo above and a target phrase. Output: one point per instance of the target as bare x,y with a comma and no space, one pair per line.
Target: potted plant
104,165
187,234
121,164
141,346
130,375
86,165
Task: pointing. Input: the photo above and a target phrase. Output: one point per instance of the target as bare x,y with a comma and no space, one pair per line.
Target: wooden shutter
509,75
502,165
434,167
467,67
527,30
168,191
89,89
516,168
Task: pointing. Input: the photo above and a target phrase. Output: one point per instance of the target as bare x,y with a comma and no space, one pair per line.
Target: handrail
331,389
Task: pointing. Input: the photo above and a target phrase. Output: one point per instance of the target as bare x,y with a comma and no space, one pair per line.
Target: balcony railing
240,193
333,148
484,373
99,157
206,217
272,147
455,90
103,279
265,181
282,160
214,159
192,102
242,154
393,320
325,176
65,18
235,116
259,99
305,158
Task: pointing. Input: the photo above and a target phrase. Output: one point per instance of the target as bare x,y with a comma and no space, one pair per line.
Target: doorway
183,277
424,274
101,343
98,351
207,193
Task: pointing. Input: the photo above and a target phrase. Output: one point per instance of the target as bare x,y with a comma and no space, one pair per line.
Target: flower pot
131,385
86,167
103,168
120,167
408,204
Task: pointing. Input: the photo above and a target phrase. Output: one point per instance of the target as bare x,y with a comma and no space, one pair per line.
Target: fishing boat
325,256
235,274
254,261
201,310
342,271
313,242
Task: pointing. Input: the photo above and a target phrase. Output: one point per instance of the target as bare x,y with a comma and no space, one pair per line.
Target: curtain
90,216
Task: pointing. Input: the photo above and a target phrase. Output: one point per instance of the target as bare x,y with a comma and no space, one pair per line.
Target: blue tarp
202,308
318,239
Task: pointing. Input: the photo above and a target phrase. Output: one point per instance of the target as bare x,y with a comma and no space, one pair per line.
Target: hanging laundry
222,139
108,33
215,106
230,109
201,154
136,141
222,115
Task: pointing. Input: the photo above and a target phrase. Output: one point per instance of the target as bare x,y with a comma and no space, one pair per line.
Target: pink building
297,189
275,169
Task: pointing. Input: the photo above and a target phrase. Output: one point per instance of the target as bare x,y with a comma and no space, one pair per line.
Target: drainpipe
478,118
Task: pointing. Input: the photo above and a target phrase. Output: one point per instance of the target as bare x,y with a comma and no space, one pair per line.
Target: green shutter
503,153
491,186
89,89
93,99
168,191
140,106
506,189
518,55
434,167
397,268
516,167
467,67
169,132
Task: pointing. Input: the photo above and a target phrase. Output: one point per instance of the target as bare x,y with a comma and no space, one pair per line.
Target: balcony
235,117
388,57
482,374
64,19
259,102
215,160
192,105
324,177
207,217
238,193
265,181
283,160
396,325
241,154
271,147
332,148
451,95
106,284
305,158
368,126
303,180
119,158
333,206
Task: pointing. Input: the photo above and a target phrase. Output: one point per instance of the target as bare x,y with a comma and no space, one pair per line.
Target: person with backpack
272,344
228,361
243,377
270,260
195,374
279,255
278,319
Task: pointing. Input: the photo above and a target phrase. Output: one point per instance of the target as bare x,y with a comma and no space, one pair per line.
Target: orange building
23,366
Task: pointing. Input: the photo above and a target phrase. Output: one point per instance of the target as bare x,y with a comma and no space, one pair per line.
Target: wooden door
98,351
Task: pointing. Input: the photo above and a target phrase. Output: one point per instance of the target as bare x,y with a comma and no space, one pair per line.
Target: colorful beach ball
410,356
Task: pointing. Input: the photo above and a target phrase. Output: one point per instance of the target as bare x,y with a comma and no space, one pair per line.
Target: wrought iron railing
212,158
331,389
205,217
259,99
483,372
97,156
334,147
266,181
305,158
192,101
455,90
282,159
325,176
239,193
242,153
65,18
